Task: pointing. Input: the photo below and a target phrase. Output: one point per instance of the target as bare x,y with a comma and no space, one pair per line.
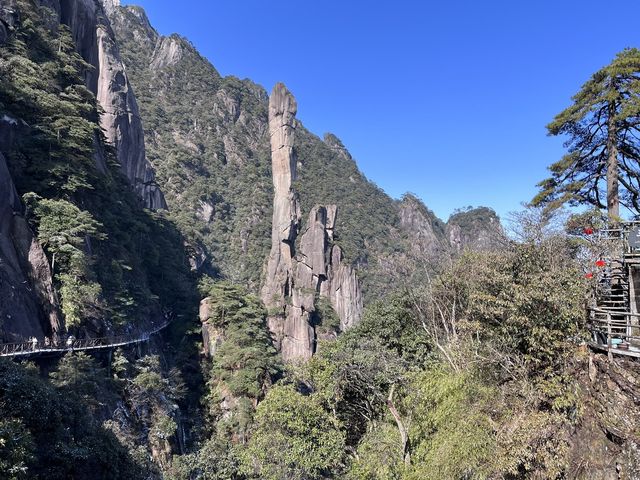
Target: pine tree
603,128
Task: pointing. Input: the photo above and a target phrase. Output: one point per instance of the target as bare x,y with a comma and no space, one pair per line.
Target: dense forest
470,360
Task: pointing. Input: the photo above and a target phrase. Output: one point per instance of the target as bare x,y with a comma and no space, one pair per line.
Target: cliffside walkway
31,348
614,320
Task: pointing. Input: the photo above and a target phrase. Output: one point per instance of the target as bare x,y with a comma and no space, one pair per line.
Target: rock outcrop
320,270
426,232
212,337
290,325
604,444
295,280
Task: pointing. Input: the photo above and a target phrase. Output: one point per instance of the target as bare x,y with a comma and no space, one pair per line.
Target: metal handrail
615,325
82,344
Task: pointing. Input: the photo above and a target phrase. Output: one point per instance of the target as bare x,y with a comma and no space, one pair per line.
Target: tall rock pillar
295,280
292,332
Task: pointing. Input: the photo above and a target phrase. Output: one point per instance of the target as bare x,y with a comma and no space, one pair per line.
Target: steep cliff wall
28,304
81,210
121,119
94,40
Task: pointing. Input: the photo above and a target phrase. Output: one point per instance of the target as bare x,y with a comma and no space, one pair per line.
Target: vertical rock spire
292,332
294,280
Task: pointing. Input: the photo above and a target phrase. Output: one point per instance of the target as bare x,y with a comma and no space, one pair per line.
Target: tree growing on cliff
603,129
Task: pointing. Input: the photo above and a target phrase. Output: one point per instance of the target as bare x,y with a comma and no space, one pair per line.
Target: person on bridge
34,343
70,341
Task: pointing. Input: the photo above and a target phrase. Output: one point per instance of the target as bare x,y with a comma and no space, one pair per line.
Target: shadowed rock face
294,280
28,306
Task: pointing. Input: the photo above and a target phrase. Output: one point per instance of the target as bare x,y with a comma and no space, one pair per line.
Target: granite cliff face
29,305
426,232
295,280
321,268
121,119
289,323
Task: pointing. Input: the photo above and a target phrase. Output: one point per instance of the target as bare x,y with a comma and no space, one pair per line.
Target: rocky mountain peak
475,229
335,144
168,52
426,231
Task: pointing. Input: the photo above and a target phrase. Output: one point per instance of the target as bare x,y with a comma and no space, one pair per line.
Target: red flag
600,263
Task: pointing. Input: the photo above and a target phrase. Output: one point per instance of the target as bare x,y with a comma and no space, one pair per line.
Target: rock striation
295,280
289,324
121,120
321,269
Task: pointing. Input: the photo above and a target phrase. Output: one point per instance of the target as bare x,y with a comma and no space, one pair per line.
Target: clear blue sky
446,99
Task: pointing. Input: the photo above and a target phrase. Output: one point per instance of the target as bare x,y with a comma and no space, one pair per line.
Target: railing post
609,343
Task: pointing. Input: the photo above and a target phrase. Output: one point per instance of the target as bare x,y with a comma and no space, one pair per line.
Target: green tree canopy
293,438
602,125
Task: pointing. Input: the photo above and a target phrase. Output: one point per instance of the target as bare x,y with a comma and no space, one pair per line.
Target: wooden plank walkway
30,348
